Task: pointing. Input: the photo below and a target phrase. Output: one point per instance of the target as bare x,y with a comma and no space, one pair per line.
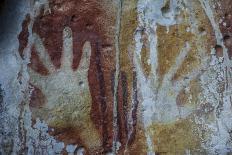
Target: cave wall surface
116,77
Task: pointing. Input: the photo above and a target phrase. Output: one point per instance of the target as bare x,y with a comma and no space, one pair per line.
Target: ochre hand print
68,100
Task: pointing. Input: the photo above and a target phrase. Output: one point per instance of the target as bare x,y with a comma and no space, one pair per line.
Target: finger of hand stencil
37,79
43,54
139,69
178,62
67,57
85,59
153,56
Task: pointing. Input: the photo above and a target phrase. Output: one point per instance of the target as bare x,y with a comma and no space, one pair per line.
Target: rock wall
116,77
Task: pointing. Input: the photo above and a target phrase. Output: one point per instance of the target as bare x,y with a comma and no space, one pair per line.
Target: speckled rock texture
126,77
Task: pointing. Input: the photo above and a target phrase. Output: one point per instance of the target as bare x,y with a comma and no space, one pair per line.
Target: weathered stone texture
118,77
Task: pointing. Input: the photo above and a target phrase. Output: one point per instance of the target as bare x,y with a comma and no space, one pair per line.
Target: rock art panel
116,77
